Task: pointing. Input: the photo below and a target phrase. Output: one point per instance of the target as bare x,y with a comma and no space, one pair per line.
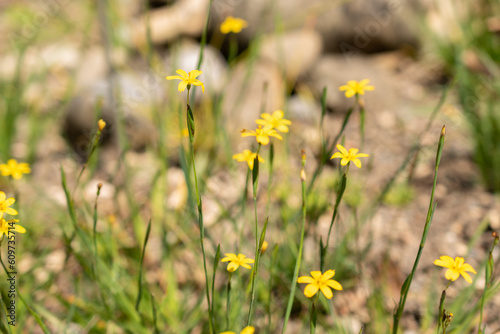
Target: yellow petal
444,261
19,228
334,284
316,274
232,266
337,155
466,277
194,73
2,196
183,74
328,274
182,86
174,77
326,291
310,290
342,149
451,274
357,163
248,330
278,114
305,279
465,267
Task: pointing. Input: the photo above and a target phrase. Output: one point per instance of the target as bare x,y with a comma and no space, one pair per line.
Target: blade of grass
432,206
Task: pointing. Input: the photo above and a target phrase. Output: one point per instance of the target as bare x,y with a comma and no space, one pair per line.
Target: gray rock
334,71
293,51
137,93
245,95
355,27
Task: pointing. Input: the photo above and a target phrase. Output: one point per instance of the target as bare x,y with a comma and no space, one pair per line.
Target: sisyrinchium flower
455,267
320,281
274,121
237,260
6,225
187,79
5,203
232,24
354,87
247,156
15,169
246,330
351,155
262,135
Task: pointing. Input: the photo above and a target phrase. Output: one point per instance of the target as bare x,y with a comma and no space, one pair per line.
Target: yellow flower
187,79
5,225
349,156
236,260
455,267
246,330
5,203
274,121
262,135
14,169
247,156
232,24
354,87
321,282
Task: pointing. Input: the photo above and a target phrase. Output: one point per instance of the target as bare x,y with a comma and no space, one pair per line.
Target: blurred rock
354,27
185,56
304,108
251,86
137,94
167,23
294,51
334,71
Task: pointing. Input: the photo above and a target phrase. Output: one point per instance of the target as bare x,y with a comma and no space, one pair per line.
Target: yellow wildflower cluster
267,126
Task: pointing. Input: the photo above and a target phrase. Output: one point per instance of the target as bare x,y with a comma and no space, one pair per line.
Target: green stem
430,213
191,129
255,179
313,315
301,244
340,194
487,278
228,301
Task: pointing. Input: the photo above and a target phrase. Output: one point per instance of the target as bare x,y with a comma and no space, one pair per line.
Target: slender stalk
313,315
362,115
301,244
96,270
255,180
340,194
228,300
487,278
191,130
432,206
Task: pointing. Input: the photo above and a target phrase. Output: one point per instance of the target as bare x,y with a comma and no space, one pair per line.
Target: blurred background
64,64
